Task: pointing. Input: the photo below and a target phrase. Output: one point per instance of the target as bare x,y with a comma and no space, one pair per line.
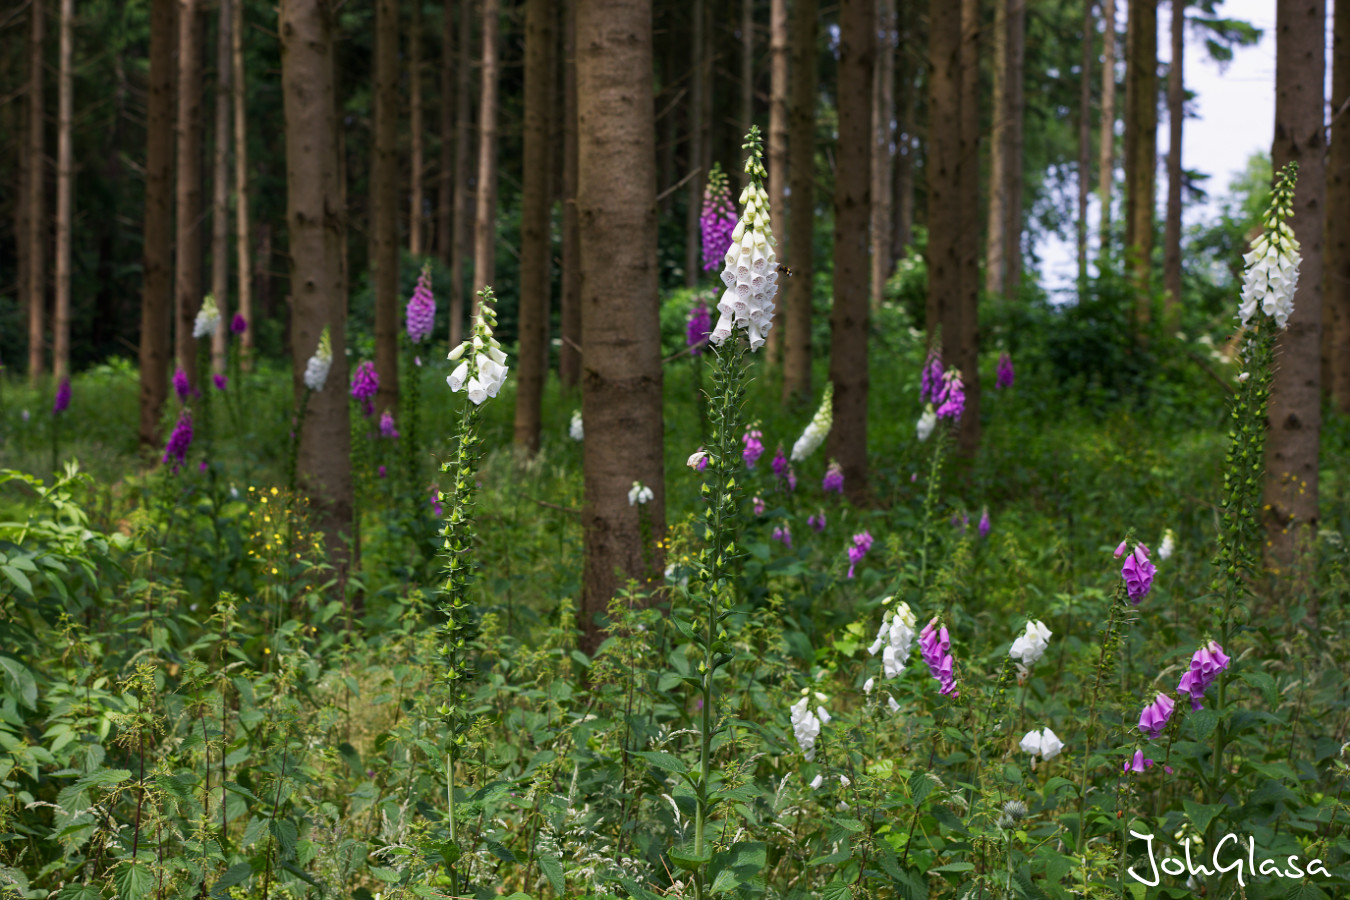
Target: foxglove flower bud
482,372
819,429
1271,278
747,302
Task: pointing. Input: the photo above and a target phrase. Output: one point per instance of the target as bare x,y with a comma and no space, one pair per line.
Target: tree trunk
65,176
883,111
1012,228
384,204
220,189
463,174
849,318
569,357
1176,113
906,95
536,204
747,117
943,166
416,137
1141,147
243,228
445,179
1296,395
188,243
621,380
778,121
1084,143
37,183
1337,223
800,255
996,241
1106,144
961,328
696,116
316,221
485,219
156,265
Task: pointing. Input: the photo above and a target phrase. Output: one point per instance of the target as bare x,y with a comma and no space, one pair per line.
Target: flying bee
785,269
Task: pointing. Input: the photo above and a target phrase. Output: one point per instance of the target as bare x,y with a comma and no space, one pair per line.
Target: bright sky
1235,111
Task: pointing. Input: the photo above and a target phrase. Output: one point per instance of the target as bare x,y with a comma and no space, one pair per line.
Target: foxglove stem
1119,604
930,504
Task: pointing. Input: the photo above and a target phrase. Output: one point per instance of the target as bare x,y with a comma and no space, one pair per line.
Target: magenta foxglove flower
935,646
698,328
984,525
1137,764
181,387
421,309
780,464
931,380
817,521
783,533
834,478
861,544
175,452
1155,716
1004,376
436,502
219,381
717,221
1206,665
365,383
238,325
383,472
1138,574
791,479
1120,549
758,505
754,446
387,428
951,399
62,401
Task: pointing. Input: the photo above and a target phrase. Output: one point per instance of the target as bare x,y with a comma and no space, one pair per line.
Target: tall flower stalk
750,277
482,362
420,322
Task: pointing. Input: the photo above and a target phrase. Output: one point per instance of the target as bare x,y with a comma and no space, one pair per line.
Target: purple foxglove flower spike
219,381
181,387
1137,764
984,525
935,646
1138,573
1155,716
1206,665
62,401
365,383
834,478
421,309
931,380
698,328
861,544
387,428
783,533
817,521
238,325
1004,376
754,447
175,452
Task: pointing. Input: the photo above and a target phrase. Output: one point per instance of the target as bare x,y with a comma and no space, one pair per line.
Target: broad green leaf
552,868
19,682
134,882
663,760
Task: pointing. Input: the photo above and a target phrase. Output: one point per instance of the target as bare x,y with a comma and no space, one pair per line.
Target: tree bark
621,380
943,166
1337,223
1106,145
188,245
463,174
65,176
536,204
416,137
996,241
316,220
485,219
243,227
445,178
697,114
37,183
800,255
778,121
220,189
1141,147
849,319
1176,114
747,117
1084,143
157,279
961,328
1012,253
569,357
384,204
883,112
1296,395
906,129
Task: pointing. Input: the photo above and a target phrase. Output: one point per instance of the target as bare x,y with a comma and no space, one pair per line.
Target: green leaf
637,891
663,760
133,882
1201,814
836,890
920,786
685,858
385,874
235,874
19,682
500,851
1203,723
79,892
955,867
552,868
20,580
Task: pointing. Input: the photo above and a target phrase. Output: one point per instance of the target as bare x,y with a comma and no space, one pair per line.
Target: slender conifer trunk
799,256
220,187
36,218
1084,142
417,226
384,205
157,280
1176,113
569,357
464,168
1106,144
485,218
188,245
243,227
1337,345
65,176
883,112
1141,147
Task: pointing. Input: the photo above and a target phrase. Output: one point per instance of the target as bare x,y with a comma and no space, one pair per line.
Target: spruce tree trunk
1337,298
1141,147
1296,395
36,301
445,178
692,244
847,442
996,264
316,221
220,189
416,136
463,240
747,116
1176,112
801,219
157,279
778,121
536,204
961,328
1106,144
1084,143
569,357
65,176
621,379
243,227
384,205
485,216
943,166
1012,228
883,111
906,95
188,240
